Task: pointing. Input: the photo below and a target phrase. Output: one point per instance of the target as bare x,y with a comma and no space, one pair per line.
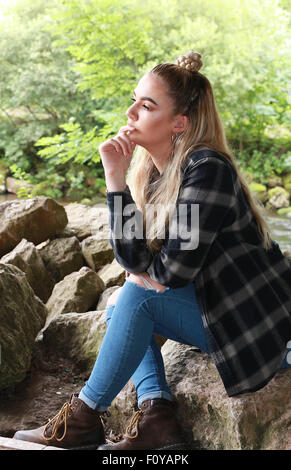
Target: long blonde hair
192,95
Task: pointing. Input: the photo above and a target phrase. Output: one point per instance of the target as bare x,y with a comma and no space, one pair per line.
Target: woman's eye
144,105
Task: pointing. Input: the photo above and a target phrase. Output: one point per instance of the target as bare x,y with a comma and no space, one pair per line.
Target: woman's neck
160,157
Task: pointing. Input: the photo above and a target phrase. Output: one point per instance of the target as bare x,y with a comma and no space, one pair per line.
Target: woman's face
151,114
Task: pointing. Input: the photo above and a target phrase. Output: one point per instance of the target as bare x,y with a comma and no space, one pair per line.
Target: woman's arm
139,279
207,184
116,154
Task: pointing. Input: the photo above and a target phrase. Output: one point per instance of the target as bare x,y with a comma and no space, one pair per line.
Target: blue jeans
129,349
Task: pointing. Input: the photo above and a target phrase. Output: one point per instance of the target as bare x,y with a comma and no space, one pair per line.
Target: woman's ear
181,123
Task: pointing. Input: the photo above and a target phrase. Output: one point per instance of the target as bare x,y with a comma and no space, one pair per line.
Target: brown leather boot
154,427
75,426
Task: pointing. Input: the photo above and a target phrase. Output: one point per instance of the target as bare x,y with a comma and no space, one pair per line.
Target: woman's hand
116,154
137,279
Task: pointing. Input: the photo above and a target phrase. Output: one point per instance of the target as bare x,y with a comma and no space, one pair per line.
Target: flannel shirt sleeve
207,186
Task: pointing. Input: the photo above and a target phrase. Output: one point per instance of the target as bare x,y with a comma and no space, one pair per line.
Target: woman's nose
131,112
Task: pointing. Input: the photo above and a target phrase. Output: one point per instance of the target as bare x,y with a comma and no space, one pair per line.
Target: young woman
204,271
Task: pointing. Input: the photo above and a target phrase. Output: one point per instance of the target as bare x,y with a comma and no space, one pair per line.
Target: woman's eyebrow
147,98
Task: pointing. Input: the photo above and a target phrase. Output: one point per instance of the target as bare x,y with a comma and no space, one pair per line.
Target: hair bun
190,61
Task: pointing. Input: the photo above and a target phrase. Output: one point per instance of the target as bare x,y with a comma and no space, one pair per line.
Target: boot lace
134,424
60,418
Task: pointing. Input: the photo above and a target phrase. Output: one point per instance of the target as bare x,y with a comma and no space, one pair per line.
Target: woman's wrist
138,279
115,182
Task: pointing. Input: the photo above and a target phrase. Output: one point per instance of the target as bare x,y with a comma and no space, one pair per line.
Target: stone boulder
259,190
35,219
27,258
278,197
97,252
62,256
122,409
112,274
77,336
22,315
102,302
274,180
285,211
78,292
13,185
85,221
287,182
259,420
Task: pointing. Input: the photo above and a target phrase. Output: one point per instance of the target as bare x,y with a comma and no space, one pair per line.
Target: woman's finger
116,145
125,142
122,146
126,129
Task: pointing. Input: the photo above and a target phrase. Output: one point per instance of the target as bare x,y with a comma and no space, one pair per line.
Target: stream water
280,226
280,230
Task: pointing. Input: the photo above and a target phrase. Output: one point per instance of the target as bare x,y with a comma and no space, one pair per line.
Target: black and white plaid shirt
244,291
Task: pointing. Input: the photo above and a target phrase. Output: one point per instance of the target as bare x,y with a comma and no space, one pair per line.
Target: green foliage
71,145
23,192
38,86
109,40
18,173
68,69
71,154
260,164
244,44
287,162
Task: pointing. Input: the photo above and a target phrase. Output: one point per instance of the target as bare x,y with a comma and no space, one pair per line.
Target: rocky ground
48,385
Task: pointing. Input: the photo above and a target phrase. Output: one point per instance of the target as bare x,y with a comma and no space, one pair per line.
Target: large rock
85,221
102,302
84,333
285,211
78,292
112,274
13,185
259,190
278,197
287,182
62,256
22,315
27,258
97,252
274,180
122,409
36,220
259,420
